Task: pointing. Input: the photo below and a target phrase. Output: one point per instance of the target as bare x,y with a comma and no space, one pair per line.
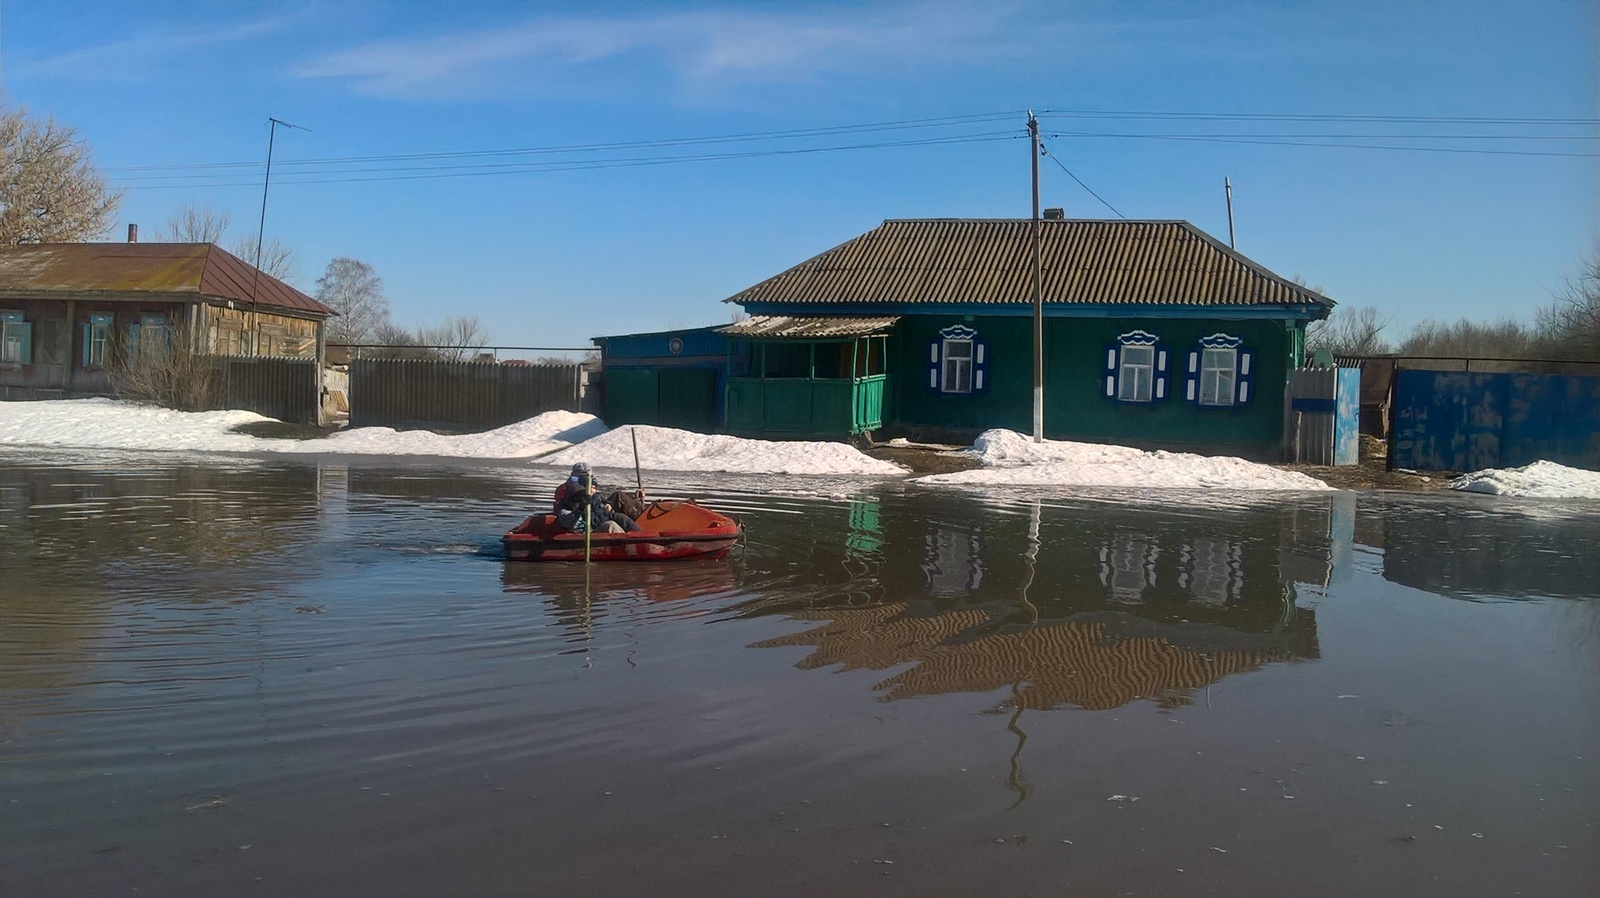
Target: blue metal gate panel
1347,418
1458,421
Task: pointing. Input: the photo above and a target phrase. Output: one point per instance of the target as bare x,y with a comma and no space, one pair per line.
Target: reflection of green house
1155,334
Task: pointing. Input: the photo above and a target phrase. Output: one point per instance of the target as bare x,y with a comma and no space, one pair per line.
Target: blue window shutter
133,342
933,364
27,342
85,357
1160,387
1111,371
1191,389
1244,392
980,366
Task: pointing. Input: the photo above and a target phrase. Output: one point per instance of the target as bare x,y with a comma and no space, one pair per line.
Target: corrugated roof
135,270
947,260
802,327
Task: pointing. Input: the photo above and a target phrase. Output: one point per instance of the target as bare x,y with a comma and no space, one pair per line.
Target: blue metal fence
1461,421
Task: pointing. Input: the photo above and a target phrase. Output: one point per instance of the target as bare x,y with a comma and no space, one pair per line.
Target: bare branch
191,225
277,259
50,189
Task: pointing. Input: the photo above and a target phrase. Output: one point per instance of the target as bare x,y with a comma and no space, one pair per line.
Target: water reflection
1449,548
1077,606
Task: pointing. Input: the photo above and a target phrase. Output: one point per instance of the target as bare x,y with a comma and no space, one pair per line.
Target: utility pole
1038,289
261,233
1227,188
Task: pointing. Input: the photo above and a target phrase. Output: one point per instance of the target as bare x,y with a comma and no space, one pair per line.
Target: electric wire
1059,164
592,156
579,165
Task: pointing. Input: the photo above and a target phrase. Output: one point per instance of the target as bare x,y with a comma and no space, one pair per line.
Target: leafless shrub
172,376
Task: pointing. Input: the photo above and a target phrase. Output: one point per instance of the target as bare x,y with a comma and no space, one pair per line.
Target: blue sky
549,247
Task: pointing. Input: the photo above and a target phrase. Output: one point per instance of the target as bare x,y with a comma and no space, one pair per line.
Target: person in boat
609,514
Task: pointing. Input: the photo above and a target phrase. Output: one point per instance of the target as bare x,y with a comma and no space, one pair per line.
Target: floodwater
250,677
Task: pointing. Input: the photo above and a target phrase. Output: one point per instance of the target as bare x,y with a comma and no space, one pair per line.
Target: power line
574,165
1313,117
1059,164
604,147
1266,141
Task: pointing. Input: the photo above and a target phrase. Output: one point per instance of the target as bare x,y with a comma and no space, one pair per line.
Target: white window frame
1213,370
102,327
1136,380
956,371
12,329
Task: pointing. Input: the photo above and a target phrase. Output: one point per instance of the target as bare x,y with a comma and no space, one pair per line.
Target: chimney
133,233
1055,213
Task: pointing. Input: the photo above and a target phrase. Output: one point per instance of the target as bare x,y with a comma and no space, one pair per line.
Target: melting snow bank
108,424
667,449
524,439
1010,458
1540,480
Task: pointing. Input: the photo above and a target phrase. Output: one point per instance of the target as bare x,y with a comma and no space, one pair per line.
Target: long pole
1038,289
1227,188
261,231
588,515
638,473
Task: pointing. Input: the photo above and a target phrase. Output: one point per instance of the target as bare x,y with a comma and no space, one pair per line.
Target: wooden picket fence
282,388
443,395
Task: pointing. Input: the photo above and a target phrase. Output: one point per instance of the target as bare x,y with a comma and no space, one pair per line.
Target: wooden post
1038,288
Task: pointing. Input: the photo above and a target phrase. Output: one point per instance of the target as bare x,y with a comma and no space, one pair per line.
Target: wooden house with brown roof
69,311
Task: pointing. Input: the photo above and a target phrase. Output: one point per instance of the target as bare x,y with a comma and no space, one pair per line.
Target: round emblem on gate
675,346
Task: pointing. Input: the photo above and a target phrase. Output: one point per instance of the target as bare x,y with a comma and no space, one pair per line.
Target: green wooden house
1155,334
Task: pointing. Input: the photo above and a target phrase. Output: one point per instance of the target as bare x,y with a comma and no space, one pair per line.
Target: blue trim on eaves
1307,312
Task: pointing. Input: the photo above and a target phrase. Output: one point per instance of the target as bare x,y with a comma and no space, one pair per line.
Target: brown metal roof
806,327
142,270
947,260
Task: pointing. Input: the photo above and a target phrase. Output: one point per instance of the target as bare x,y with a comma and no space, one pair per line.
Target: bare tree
277,259
1502,339
1572,323
351,288
50,190
391,341
191,225
1350,331
457,339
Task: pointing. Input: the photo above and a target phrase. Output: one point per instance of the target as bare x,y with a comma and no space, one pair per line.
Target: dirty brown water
246,677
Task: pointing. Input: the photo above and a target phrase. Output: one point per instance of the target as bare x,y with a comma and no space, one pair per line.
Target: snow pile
108,424
1010,458
668,449
524,439
1540,480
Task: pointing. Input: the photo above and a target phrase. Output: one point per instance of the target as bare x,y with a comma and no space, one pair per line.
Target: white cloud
706,46
135,57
